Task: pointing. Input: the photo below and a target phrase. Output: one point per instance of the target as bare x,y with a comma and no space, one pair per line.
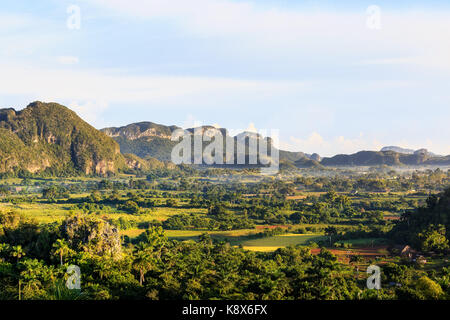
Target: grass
365,242
42,212
234,237
281,241
53,212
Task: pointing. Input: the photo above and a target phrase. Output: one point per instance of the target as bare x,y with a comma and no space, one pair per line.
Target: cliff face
91,234
147,139
140,130
144,139
49,136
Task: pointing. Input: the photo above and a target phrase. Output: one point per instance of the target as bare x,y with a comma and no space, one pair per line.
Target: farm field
54,212
238,237
367,255
233,237
365,242
280,241
43,213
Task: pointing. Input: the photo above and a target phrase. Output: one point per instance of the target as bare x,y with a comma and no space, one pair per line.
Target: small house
405,251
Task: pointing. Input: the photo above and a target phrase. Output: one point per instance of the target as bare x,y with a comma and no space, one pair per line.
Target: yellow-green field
42,212
238,237
182,235
47,213
280,241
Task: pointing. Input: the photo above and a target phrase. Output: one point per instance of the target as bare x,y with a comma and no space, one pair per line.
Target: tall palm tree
142,262
103,267
61,248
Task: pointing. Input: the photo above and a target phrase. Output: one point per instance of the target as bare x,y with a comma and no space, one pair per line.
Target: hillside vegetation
50,138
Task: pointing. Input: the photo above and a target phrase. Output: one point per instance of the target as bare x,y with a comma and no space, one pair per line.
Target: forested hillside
50,138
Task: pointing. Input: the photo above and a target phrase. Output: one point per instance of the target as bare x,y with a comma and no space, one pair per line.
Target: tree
61,248
143,261
17,252
95,196
429,289
154,238
130,207
216,210
433,239
171,203
330,231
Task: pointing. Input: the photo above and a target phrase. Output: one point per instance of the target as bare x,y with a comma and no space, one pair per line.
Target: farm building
405,251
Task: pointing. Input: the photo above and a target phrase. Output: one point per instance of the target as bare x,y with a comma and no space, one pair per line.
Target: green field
52,212
234,237
276,242
365,242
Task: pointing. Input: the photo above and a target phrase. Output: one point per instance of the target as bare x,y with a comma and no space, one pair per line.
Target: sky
332,77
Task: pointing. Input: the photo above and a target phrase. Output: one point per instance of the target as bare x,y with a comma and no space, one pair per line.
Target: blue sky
315,70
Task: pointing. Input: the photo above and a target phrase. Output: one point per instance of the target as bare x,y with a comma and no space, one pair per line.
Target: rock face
140,130
315,157
397,149
144,139
147,139
91,234
408,151
50,137
134,162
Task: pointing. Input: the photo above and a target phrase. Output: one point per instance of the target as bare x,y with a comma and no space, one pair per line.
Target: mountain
307,163
50,138
137,163
144,139
407,151
390,158
148,139
397,149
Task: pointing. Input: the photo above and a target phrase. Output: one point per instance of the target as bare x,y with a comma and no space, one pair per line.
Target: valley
141,227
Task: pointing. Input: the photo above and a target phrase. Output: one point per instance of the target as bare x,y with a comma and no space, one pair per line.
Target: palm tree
17,252
142,262
103,267
59,291
330,231
61,248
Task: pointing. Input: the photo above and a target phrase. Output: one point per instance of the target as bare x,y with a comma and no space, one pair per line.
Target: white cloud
422,35
89,111
95,85
191,122
315,143
11,22
90,92
68,60
251,128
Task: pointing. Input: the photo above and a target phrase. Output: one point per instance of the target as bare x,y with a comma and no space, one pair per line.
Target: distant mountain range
408,151
51,139
149,139
390,158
